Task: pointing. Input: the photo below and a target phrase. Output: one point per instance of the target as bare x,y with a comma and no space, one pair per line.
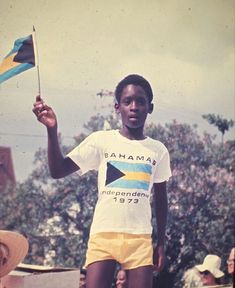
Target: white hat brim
216,272
18,247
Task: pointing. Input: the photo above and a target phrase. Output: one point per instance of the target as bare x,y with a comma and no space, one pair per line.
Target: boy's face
134,106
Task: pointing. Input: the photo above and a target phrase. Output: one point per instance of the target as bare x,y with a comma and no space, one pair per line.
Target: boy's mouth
135,117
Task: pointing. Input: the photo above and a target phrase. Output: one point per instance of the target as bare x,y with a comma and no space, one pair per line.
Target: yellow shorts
130,250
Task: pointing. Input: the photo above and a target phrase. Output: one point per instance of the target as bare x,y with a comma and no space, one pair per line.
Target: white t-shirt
127,170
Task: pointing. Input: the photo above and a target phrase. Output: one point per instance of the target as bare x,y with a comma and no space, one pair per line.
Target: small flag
128,175
20,58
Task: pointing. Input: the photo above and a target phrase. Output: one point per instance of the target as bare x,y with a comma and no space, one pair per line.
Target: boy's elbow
62,169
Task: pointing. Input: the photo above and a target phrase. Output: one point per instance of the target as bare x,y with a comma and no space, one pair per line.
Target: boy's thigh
100,274
100,248
141,277
138,252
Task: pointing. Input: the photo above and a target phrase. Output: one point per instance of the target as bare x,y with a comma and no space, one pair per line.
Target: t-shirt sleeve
163,171
86,154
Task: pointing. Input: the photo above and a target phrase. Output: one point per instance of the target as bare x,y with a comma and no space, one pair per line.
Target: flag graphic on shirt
128,175
19,59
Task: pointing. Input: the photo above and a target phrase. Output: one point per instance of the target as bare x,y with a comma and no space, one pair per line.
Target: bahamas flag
20,58
128,175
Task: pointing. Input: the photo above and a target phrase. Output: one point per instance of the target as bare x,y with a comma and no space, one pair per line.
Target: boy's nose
134,105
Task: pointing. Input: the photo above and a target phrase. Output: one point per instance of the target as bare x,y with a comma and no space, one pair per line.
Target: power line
30,135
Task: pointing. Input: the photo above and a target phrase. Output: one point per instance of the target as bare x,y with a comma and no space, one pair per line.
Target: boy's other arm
161,210
59,165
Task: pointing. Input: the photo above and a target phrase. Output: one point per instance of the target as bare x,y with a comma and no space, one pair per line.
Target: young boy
129,164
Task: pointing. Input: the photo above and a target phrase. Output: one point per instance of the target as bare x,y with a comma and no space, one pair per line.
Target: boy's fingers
39,102
41,114
40,107
38,98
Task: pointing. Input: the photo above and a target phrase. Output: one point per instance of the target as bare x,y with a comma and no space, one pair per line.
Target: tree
200,197
221,123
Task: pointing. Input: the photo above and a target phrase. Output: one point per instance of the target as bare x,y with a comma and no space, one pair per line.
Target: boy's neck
133,133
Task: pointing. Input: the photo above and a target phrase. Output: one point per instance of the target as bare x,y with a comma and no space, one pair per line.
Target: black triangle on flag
26,52
112,174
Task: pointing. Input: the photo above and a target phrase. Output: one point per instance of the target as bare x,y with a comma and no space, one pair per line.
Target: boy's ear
151,108
116,106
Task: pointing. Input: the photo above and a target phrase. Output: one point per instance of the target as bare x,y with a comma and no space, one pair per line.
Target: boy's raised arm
59,165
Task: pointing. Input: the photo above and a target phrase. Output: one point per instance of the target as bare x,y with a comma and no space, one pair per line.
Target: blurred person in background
230,263
192,278
210,271
82,283
121,279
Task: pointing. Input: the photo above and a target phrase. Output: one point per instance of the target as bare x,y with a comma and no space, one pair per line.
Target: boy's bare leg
100,274
141,277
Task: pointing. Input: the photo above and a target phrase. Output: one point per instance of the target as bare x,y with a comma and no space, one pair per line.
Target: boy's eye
126,101
141,101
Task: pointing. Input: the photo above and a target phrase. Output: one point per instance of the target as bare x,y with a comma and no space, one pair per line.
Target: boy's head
137,80
133,101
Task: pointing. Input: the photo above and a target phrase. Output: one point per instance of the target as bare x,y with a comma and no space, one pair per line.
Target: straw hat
13,249
212,264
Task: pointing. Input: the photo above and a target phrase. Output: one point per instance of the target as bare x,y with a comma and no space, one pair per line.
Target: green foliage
201,193
56,214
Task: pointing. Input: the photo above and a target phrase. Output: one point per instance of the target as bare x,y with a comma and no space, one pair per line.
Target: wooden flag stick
36,58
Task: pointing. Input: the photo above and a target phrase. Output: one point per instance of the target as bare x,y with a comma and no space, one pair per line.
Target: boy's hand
158,258
44,113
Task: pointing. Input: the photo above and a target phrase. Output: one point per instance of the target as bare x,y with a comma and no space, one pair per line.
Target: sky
185,48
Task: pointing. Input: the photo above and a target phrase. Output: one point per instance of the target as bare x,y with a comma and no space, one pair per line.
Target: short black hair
137,80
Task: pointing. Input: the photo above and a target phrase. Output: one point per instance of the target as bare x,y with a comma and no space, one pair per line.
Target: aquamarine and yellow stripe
135,175
19,59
